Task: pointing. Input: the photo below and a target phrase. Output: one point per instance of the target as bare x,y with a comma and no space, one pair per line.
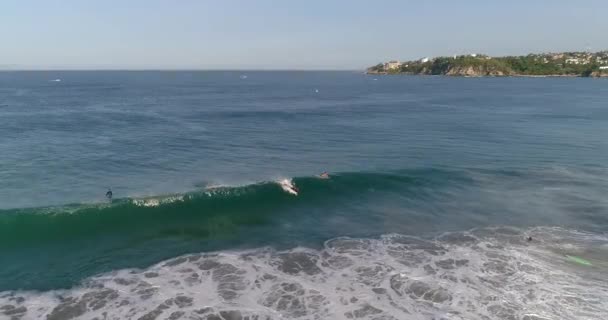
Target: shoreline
548,64
489,76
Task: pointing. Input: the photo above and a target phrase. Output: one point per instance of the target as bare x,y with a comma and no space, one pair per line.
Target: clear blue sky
264,34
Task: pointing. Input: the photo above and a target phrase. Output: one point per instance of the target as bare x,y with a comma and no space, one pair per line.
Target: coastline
602,75
560,64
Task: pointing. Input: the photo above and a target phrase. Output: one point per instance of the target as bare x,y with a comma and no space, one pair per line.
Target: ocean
448,198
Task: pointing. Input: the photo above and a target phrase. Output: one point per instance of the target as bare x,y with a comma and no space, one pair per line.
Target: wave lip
491,273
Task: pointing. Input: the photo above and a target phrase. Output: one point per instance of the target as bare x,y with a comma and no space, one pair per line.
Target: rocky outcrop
599,74
476,71
373,71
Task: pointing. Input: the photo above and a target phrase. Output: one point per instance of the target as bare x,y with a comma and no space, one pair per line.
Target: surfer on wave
289,186
324,175
109,195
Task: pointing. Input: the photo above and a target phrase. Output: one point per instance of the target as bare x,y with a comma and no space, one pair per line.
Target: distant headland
563,64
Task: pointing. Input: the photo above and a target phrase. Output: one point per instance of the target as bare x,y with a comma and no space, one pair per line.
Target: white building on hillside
573,61
604,68
391,65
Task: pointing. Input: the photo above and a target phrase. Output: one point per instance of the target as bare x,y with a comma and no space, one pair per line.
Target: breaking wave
201,213
488,273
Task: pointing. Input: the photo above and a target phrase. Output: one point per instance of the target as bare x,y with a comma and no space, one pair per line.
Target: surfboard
579,260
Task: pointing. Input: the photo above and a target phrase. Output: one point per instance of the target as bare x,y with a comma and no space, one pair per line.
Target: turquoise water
464,168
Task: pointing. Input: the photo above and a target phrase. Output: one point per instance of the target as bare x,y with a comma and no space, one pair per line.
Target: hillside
581,64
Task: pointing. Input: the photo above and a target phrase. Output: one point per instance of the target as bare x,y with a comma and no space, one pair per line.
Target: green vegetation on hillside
552,64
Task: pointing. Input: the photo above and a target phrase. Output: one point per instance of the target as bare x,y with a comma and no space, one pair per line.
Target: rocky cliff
599,74
476,71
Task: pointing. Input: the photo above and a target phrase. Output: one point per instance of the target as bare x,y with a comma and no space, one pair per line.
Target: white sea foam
156,201
288,186
482,274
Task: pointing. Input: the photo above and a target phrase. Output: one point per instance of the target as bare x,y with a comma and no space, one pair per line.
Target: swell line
201,213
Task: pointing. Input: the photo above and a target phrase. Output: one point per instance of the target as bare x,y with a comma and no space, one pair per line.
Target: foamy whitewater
447,198
491,273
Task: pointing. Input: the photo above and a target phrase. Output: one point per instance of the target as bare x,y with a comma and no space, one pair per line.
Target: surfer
529,239
324,175
288,186
109,195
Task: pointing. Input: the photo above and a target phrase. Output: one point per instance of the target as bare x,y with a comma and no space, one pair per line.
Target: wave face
487,273
217,209
139,232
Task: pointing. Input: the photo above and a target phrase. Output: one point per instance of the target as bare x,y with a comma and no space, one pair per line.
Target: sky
264,34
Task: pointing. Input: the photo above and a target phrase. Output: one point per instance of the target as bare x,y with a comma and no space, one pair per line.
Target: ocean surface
435,185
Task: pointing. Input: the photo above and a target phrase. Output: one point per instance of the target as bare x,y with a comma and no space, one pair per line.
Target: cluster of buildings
600,58
579,59
395,64
392,65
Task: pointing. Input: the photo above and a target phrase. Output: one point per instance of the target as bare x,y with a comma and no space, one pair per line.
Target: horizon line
179,69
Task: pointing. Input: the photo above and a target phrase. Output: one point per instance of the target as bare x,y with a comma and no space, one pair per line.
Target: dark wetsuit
109,195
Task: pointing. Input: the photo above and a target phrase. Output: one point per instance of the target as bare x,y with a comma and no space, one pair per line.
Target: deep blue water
148,133
409,155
